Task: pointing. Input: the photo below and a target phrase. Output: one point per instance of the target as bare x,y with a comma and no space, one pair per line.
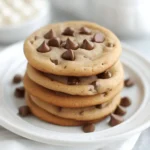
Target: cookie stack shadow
74,75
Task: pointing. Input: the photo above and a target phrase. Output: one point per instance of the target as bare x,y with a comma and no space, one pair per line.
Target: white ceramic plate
12,61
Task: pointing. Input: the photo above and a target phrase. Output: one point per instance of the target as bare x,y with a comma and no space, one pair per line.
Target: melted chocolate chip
68,31
87,45
99,106
59,109
115,120
17,78
104,75
24,111
50,34
88,128
55,61
71,44
43,48
81,112
110,45
68,55
120,111
54,42
125,101
73,81
105,94
98,38
19,92
128,83
96,85
85,30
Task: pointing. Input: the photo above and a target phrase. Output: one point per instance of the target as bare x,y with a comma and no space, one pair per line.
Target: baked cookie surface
74,48
48,117
86,113
65,100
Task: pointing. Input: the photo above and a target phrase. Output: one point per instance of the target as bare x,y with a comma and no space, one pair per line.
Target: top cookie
74,48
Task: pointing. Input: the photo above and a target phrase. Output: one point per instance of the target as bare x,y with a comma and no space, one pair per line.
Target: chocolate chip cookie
66,100
74,48
96,84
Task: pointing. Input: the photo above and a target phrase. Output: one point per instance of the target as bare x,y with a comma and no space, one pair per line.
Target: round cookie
86,113
65,100
48,117
79,85
74,48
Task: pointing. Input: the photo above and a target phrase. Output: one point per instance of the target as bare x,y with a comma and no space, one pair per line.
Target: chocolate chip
36,37
24,111
125,101
85,30
59,109
105,75
110,45
105,93
19,92
55,61
115,120
98,38
88,128
120,111
43,48
71,44
81,112
98,106
17,78
68,55
54,42
128,83
68,31
32,41
73,81
50,34
87,45
96,85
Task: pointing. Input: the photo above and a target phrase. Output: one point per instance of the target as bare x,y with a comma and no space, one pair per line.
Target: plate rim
140,128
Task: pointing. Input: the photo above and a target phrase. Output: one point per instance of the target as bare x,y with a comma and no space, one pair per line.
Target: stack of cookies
74,75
